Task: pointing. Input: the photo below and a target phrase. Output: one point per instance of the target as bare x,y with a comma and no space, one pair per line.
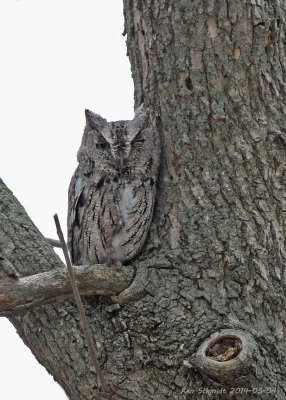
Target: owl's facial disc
121,152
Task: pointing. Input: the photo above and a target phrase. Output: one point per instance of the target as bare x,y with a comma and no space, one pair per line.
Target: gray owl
111,194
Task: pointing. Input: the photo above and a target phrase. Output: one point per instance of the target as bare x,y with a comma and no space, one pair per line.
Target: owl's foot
112,262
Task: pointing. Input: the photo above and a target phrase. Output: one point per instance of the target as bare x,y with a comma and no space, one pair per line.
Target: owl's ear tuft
141,114
139,121
95,121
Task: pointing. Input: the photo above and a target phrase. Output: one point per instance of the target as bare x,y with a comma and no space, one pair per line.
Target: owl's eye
102,145
138,140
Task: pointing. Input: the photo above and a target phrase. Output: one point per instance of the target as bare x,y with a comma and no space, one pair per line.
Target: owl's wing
76,209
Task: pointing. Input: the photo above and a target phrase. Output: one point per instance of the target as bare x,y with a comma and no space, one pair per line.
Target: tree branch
18,295
24,251
54,242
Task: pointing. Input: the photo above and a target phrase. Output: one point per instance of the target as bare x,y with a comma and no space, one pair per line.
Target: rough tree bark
212,320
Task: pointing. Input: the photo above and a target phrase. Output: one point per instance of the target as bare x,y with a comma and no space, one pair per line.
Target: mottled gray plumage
111,194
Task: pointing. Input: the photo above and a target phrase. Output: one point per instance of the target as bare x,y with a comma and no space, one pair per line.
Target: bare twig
85,326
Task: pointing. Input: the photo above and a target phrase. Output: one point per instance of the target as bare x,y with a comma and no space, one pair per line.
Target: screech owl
112,192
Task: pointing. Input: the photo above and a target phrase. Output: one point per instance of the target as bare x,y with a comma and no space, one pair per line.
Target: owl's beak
123,154
123,162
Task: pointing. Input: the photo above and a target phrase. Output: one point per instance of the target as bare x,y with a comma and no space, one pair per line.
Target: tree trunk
212,319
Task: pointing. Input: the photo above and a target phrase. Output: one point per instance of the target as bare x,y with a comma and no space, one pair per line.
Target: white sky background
58,57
